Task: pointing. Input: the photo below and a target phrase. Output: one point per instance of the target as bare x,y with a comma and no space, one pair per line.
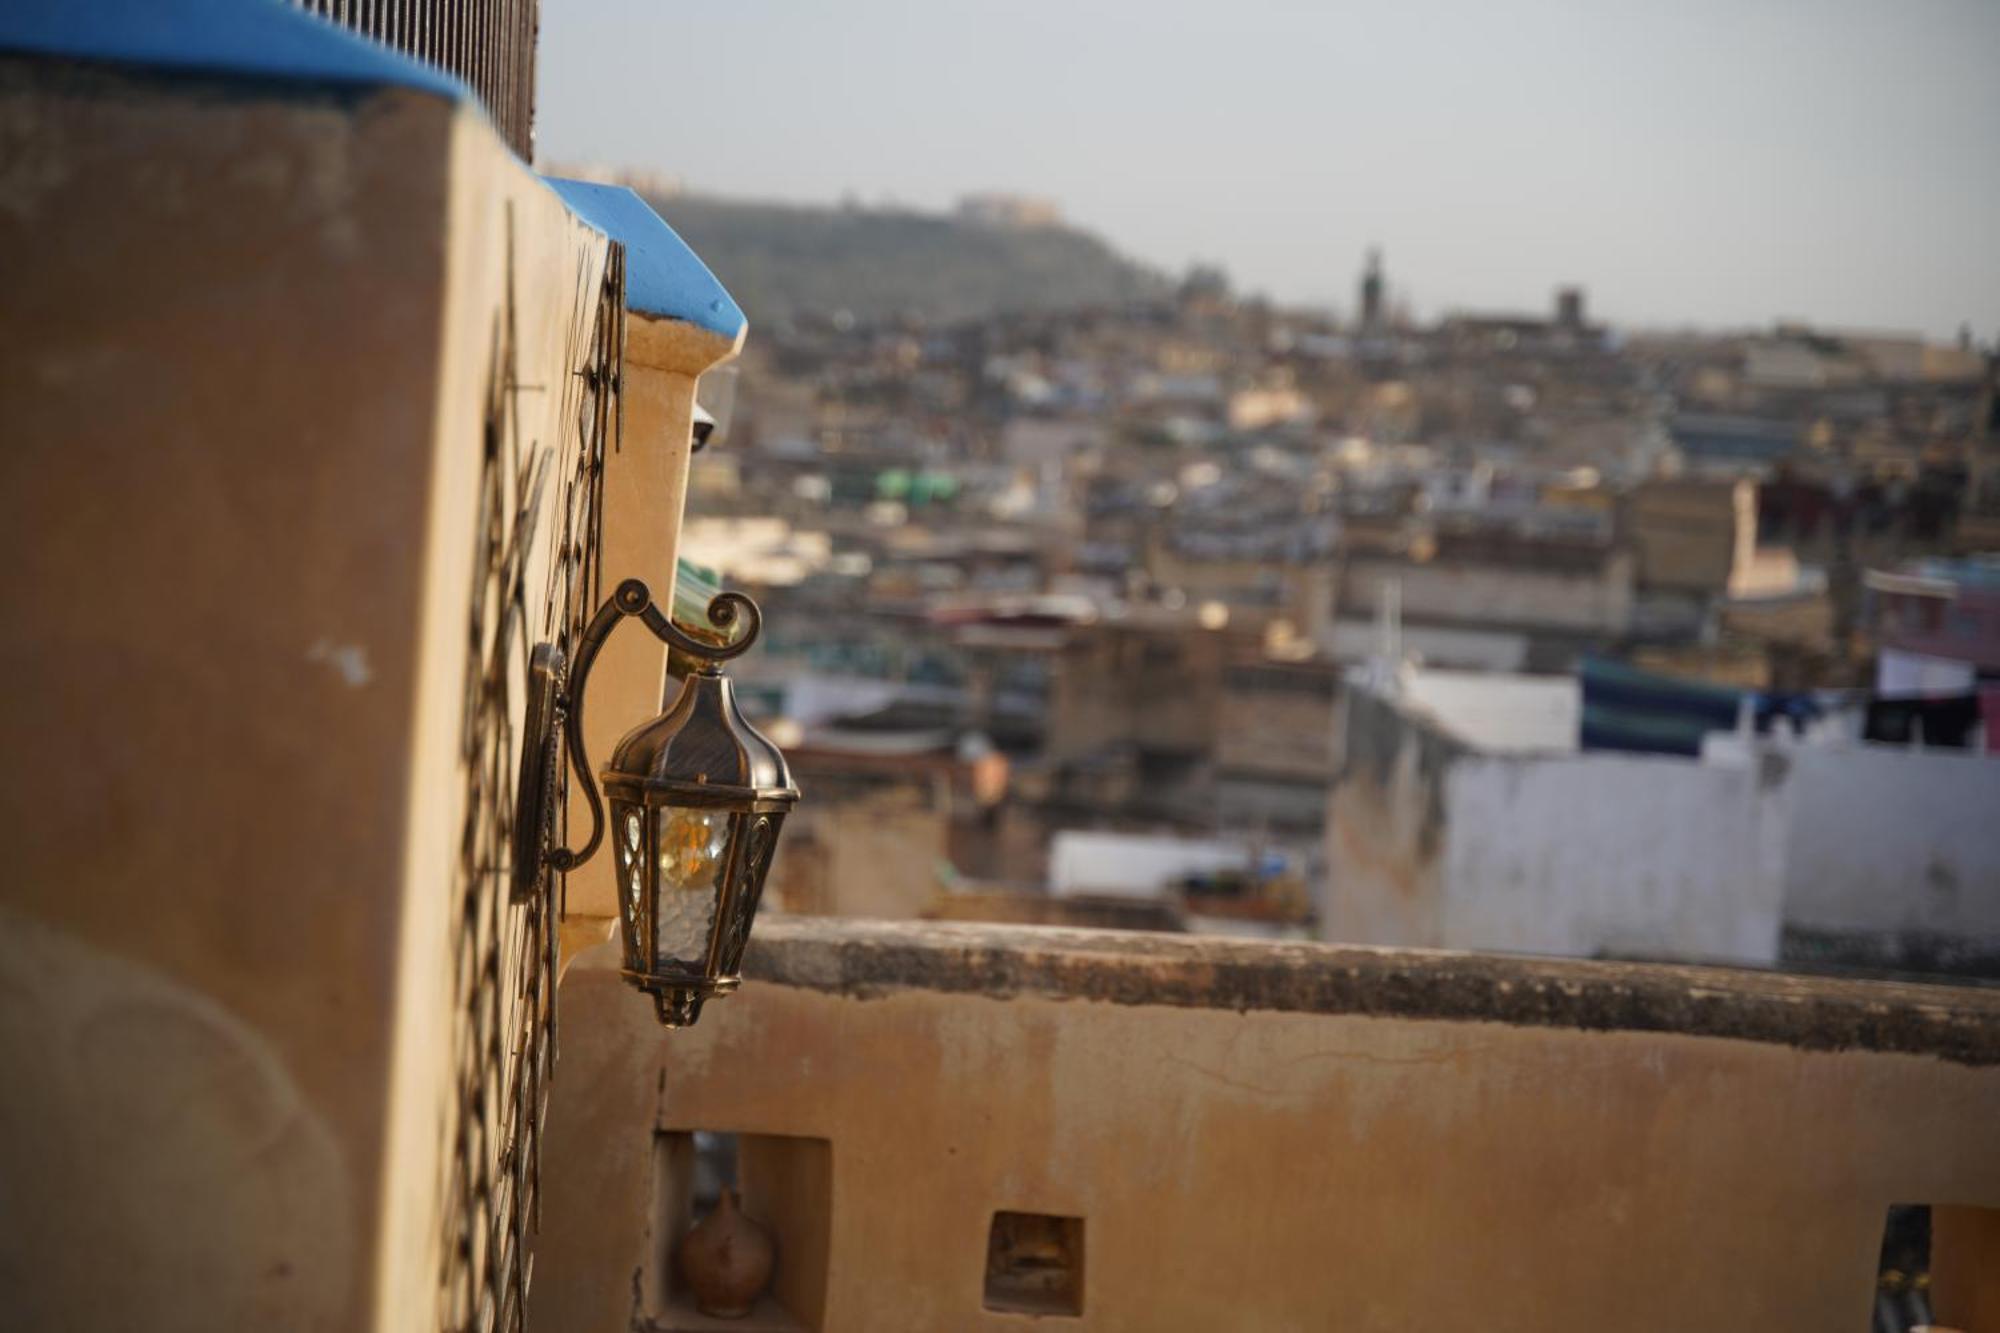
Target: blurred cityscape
1249,794
1170,608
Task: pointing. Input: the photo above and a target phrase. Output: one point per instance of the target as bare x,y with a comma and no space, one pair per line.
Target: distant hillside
782,260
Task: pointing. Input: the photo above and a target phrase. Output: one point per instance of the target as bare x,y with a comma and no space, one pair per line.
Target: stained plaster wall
1386,826
1243,1167
1437,845
1894,844
1432,843
1614,854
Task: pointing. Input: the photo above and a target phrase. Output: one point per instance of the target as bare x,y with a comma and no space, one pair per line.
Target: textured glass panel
694,856
634,863
628,830
759,841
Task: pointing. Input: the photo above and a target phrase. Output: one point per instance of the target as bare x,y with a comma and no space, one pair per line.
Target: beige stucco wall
517,302
645,496
217,356
1268,1170
246,365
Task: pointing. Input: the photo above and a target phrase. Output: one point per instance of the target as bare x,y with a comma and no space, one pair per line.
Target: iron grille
505,955
488,44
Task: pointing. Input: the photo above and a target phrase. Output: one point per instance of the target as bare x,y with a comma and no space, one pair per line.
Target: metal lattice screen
505,954
488,44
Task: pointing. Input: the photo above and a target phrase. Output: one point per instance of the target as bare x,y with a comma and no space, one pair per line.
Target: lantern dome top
703,745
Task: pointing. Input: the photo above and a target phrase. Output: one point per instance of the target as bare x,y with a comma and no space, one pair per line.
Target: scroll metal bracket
554,721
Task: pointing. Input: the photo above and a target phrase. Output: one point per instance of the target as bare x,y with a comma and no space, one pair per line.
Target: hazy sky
1710,161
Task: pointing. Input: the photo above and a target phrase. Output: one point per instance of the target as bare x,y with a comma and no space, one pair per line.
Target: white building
1450,826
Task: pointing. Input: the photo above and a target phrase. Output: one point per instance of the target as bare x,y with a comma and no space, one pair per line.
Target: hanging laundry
1799,710
1946,723
1626,708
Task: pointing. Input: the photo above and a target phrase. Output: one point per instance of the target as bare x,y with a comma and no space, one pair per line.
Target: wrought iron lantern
697,796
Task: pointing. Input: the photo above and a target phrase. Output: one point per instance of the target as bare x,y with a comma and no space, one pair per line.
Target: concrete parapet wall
1283,1136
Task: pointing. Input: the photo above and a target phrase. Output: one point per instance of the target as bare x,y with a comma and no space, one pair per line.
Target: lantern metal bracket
554,720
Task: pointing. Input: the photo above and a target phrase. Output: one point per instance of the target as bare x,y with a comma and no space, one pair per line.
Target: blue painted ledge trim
274,41
256,39
663,277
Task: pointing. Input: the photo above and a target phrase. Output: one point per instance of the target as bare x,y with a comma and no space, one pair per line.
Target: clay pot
726,1259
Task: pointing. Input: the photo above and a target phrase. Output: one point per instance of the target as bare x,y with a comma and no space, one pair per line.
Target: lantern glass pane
760,835
628,838
693,859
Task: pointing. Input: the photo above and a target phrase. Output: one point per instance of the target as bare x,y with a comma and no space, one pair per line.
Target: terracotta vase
726,1260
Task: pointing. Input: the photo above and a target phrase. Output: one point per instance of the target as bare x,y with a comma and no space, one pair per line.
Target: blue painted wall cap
257,39
664,279
274,40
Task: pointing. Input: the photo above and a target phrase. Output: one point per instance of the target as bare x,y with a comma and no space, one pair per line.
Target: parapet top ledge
273,43
867,959
664,278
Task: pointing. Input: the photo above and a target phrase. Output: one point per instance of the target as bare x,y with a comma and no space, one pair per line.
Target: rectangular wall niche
1034,1264
786,1183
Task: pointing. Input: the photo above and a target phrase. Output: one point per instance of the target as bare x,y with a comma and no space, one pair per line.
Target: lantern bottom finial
677,1008
679,995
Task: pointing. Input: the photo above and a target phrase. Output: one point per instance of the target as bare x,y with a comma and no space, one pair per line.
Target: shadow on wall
162,1136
